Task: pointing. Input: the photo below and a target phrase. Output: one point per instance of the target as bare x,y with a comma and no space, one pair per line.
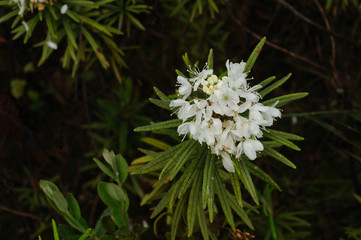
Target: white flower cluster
224,113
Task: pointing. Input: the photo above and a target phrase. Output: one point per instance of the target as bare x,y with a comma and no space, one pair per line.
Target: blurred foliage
42,132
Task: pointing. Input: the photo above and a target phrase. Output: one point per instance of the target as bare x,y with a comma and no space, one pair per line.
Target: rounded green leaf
111,194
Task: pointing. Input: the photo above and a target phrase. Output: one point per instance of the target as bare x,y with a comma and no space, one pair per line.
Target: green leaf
74,208
281,140
105,169
160,103
31,24
70,33
85,234
254,55
267,81
73,16
192,170
210,59
122,168
94,24
161,95
202,220
275,85
164,201
183,158
286,135
158,188
278,156
135,21
239,211
258,172
176,217
109,157
160,125
236,188
55,230
160,160
9,15
156,143
52,193
105,64
285,99
50,22
181,155
246,179
207,177
111,194
221,193
194,201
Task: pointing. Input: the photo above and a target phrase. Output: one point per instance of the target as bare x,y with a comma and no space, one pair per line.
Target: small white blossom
25,25
64,9
251,147
229,119
52,44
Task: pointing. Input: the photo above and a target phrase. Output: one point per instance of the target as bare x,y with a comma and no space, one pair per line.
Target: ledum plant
87,29
223,126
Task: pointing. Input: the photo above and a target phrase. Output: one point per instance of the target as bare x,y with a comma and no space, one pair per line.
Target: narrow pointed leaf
156,143
160,125
210,59
177,217
183,159
161,95
193,202
222,195
191,171
70,33
269,89
267,81
178,156
281,140
208,174
163,202
254,55
202,221
236,188
160,160
182,155
9,15
278,156
284,99
55,230
85,234
286,135
258,172
160,103
239,211
247,180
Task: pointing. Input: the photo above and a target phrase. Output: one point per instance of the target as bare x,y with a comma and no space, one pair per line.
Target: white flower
250,147
227,162
185,88
52,44
236,74
185,111
229,118
199,76
64,9
21,4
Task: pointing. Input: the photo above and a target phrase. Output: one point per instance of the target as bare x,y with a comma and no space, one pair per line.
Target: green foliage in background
113,223
87,28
